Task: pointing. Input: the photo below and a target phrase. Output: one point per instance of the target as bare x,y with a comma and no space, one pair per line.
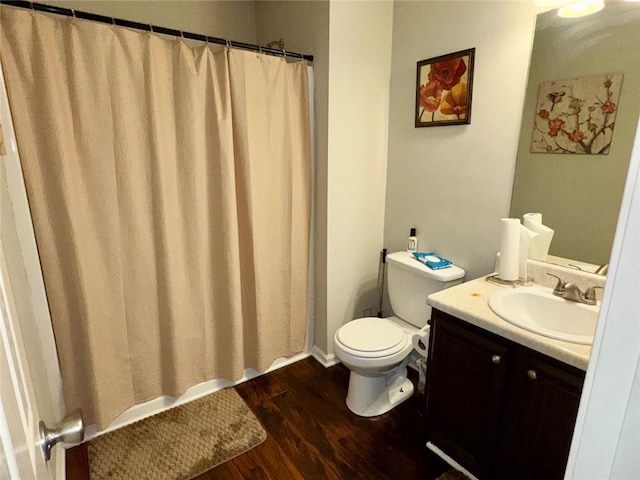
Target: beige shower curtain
170,193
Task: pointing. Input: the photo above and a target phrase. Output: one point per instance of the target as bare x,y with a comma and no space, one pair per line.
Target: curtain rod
70,12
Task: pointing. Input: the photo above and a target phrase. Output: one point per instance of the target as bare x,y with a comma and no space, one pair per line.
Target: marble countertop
469,302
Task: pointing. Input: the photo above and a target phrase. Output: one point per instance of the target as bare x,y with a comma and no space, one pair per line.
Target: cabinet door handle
496,359
532,374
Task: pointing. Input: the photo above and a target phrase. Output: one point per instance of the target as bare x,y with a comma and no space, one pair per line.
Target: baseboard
450,460
160,404
325,359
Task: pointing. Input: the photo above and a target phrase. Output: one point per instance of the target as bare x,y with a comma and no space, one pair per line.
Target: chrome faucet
602,269
590,295
570,291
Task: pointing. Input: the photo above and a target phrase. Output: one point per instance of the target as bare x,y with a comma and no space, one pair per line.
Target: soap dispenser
412,241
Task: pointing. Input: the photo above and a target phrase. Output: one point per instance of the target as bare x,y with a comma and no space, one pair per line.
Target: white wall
454,183
359,69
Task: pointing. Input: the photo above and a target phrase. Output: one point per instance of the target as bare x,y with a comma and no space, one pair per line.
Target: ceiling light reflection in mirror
571,8
581,9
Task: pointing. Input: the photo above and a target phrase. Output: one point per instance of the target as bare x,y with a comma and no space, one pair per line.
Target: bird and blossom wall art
576,116
443,90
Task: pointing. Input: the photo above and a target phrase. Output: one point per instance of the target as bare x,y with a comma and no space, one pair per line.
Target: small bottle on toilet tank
412,241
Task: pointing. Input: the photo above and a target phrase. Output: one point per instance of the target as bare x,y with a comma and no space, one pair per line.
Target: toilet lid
371,334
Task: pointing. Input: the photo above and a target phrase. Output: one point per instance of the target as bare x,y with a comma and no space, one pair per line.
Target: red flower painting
576,116
443,91
430,96
455,102
448,73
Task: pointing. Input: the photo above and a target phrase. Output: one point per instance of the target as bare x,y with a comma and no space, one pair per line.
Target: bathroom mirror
579,194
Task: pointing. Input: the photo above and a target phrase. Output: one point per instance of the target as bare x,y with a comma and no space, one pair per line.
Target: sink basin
536,309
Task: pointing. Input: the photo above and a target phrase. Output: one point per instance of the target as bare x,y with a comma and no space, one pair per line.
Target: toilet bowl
377,350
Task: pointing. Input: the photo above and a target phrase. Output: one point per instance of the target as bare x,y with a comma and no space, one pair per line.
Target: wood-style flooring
311,434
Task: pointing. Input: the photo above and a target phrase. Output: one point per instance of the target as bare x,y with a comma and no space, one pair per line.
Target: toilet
378,350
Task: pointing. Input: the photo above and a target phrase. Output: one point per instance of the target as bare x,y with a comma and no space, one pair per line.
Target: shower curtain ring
73,12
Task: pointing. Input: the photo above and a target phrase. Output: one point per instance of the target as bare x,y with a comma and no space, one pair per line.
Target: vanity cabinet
499,409
466,381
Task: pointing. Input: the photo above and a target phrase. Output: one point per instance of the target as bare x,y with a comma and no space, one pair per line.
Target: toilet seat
372,337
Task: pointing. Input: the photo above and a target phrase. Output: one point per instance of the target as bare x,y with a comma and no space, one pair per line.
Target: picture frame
576,116
444,87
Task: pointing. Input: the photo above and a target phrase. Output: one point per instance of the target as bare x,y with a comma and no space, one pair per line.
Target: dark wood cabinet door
466,387
551,397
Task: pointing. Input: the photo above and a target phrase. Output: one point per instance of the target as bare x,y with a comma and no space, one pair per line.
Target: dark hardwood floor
311,434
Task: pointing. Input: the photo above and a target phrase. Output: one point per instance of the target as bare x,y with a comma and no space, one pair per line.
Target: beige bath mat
180,443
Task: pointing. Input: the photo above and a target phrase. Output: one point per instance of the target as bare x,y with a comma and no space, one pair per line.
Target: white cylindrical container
526,237
509,249
540,246
412,241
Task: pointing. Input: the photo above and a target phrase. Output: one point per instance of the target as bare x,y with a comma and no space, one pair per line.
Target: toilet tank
410,282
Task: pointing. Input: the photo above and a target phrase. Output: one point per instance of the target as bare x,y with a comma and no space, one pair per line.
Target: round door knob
69,430
496,359
532,374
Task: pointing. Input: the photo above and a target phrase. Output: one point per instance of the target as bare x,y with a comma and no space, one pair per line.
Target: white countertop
469,302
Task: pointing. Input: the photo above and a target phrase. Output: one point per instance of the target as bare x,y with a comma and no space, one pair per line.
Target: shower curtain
170,194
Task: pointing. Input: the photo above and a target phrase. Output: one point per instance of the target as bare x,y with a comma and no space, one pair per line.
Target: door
467,373
552,395
30,381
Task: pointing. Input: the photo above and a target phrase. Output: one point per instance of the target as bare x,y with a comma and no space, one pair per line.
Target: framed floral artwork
576,116
443,89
